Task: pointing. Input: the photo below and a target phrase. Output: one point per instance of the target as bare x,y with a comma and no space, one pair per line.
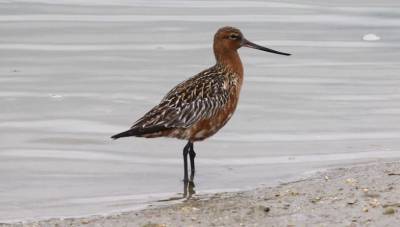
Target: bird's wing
197,98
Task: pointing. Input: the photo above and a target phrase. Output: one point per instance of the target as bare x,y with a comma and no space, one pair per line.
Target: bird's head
230,38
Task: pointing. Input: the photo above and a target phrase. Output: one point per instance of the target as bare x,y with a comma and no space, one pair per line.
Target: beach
363,195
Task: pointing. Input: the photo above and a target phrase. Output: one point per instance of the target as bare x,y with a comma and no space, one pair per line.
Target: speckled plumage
200,106
204,97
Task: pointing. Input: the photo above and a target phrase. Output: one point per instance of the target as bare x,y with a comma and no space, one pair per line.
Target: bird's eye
234,36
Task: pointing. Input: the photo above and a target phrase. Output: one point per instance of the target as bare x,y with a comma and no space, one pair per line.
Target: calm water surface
72,73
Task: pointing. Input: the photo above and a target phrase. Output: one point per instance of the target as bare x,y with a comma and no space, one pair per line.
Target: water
72,73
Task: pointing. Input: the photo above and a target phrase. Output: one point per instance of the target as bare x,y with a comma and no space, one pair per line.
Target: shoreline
360,195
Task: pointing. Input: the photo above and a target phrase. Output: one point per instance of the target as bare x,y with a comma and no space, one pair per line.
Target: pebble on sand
389,210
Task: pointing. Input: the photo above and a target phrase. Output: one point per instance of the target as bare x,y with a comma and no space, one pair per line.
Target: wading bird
200,106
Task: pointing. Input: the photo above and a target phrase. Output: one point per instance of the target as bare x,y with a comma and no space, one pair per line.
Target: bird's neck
229,59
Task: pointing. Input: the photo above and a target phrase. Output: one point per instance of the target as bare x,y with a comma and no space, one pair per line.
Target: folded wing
189,102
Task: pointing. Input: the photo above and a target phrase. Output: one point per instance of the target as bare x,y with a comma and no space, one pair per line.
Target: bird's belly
208,127
202,129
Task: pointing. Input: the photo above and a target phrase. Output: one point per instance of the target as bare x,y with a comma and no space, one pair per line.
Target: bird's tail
127,133
141,132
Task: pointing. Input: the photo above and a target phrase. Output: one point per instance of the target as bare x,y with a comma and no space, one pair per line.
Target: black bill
247,43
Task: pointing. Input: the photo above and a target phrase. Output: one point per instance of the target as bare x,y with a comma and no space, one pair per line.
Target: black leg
192,155
185,165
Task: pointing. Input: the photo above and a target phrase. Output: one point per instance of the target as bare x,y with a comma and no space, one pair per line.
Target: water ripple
331,19
287,137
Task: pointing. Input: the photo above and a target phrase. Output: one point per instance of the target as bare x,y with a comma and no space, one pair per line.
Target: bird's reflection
188,191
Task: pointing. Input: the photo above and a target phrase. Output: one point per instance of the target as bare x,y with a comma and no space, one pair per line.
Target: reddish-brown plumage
200,106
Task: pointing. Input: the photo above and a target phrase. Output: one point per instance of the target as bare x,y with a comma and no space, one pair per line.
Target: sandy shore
364,195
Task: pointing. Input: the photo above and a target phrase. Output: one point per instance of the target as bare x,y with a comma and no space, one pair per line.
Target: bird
200,106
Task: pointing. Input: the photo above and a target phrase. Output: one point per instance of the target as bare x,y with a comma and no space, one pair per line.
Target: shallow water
72,73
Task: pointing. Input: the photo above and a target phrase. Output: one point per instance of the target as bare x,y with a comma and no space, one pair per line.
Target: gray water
72,73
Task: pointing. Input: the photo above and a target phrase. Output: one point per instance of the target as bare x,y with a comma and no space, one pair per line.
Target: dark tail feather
139,132
123,134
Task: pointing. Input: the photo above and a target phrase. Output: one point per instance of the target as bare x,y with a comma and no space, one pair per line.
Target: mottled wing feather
197,98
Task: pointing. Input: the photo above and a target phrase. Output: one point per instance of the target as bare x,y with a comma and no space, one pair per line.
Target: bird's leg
185,188
192,155
185,154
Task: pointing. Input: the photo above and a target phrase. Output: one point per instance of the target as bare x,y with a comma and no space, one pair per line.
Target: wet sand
363,195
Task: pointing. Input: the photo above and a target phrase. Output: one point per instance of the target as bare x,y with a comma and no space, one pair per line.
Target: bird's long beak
247,43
